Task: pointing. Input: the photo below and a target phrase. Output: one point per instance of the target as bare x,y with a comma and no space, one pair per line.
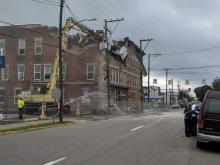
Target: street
147,140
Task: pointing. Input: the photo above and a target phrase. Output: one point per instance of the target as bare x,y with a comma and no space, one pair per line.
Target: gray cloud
175,25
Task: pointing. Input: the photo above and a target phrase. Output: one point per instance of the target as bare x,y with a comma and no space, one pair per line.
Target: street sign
56,93
2,61
85,98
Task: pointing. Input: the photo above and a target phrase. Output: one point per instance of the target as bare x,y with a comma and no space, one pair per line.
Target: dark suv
209,119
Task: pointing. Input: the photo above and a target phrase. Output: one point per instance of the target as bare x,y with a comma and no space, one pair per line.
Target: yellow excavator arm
40,98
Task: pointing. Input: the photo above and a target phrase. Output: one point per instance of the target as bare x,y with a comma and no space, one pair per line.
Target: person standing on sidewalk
187,120
20,108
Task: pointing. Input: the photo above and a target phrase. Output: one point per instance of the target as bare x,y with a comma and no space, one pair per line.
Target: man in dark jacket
187,120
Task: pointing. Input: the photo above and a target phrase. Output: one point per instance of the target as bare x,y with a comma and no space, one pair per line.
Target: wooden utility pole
141,73
108,59
61,62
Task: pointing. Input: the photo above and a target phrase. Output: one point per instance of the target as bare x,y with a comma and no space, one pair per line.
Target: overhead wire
47,3
28,29
193,51
13,36
187,68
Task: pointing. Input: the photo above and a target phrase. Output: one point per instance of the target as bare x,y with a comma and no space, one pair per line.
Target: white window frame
89,72
20,46
45,70
17,88
21,72
36,42
2,50
36,79
5,73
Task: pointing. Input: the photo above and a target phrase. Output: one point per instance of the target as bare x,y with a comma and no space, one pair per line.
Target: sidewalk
13,122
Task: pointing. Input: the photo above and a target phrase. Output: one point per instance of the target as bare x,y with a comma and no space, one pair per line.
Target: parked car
209,119
176,105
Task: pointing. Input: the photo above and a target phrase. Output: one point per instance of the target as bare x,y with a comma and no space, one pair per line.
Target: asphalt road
147,140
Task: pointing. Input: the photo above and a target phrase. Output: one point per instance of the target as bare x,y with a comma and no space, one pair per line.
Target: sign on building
85,97
56,93
2,61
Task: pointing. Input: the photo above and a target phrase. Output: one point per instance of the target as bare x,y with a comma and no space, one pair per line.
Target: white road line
134,129
55,161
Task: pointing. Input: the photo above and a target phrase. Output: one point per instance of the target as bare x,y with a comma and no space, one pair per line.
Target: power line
16,37
192,51
47,3
193,72
53,1
114,30
189,68
70,10
22,27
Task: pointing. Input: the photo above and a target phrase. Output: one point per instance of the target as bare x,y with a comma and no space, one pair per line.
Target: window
37,71
90,71
21,69
38,46
21,47
213,106
2,95
16,92
47,71
2,47
5,73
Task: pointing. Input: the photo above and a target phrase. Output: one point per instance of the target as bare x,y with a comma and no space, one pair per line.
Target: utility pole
141,77
108,59
172,90
148,85
61,62
166,83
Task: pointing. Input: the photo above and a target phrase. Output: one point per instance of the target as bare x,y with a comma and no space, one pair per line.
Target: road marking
55,161
134,129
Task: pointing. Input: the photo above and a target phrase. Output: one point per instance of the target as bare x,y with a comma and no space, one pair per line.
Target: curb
31,119
33,129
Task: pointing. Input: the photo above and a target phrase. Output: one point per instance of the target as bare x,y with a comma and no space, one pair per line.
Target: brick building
30,50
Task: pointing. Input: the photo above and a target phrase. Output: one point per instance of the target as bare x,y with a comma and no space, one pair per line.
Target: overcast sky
175,25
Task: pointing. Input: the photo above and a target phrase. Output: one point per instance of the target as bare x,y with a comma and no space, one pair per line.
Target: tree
216,83
201,92
184,95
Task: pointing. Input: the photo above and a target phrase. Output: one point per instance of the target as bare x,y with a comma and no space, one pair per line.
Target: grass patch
33,127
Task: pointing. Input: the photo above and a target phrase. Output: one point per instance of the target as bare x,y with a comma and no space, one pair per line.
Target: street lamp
148,86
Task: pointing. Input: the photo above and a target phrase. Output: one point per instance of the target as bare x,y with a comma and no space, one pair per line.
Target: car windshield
214,106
